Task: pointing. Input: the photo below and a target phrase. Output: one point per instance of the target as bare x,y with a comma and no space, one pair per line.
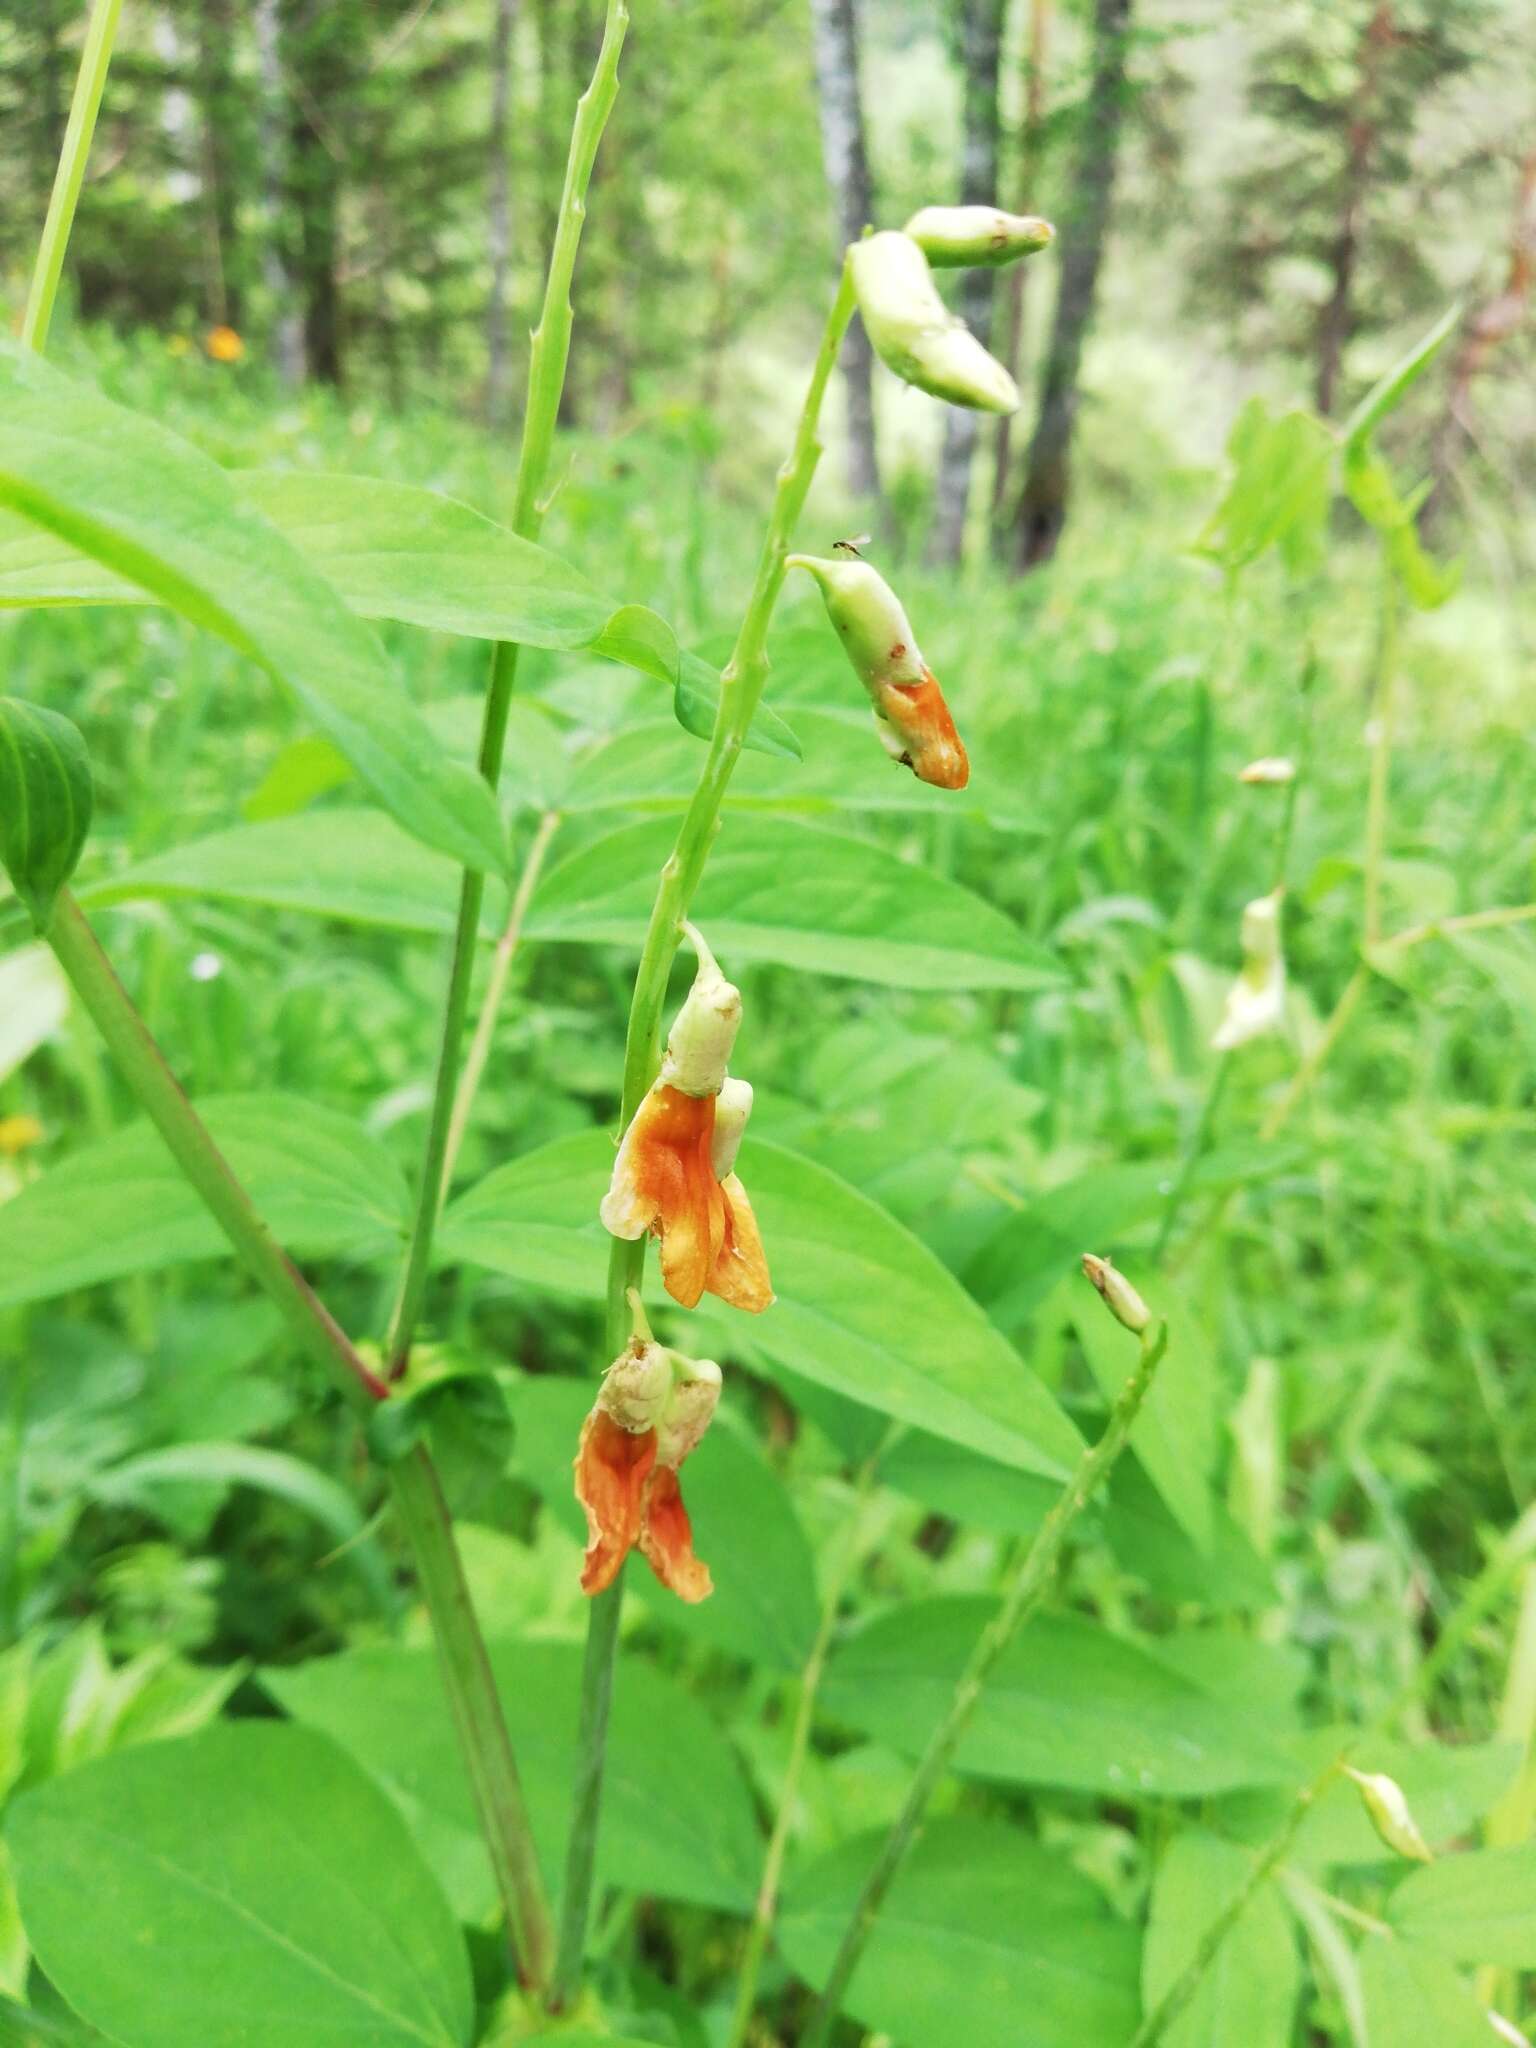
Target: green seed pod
914,333
956,237
911,717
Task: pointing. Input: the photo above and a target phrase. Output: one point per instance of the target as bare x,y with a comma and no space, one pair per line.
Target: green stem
587,1790
418,1495
1512,1554
766,1908
1192,1157
1381,755
1028,1589
70,176
549,354
1175,2000
741,688
479,1053
476,1709
1474,921
1286,834
1312,1065
158,1092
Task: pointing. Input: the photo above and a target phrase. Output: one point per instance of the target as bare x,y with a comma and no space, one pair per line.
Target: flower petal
612,1469
929,743
663,1181
666,1539
739,1274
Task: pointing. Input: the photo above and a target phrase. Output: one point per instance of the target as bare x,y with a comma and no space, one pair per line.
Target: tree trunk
1015,277
499,222
1336,320
287,334
1491,325
220,120
836,38
316,59
981,34
1042,511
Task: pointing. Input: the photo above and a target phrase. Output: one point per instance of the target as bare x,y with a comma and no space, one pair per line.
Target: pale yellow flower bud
914,333
693,1398
1119,1296
1256,1000
637,1387
1273,769
1387,1804
954,237
702,1035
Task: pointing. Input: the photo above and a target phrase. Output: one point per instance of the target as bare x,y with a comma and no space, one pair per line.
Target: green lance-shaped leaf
45,802
157,512
1371,489
1387,393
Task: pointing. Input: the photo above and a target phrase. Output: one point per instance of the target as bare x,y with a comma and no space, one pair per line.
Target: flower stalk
741,689
765,1908
1483,1594
548,356
1022,1599
90,82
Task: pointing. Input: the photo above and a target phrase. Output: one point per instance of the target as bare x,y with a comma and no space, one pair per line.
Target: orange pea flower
675,1174
224,345
651,1410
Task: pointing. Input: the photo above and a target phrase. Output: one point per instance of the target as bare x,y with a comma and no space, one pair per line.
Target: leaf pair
1282,481
112,508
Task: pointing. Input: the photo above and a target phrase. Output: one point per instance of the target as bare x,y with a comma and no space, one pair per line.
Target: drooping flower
1256,1000
915,334
675,1174
651,1410
911,716
952,237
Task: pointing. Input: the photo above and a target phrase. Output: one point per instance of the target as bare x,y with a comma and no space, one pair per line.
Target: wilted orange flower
916,729
911,716
651,1410
675,1174
224,345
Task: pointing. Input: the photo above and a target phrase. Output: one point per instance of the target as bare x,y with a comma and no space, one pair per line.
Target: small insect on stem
853,546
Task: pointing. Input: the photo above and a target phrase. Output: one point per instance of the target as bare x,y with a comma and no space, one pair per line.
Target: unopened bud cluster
909,326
